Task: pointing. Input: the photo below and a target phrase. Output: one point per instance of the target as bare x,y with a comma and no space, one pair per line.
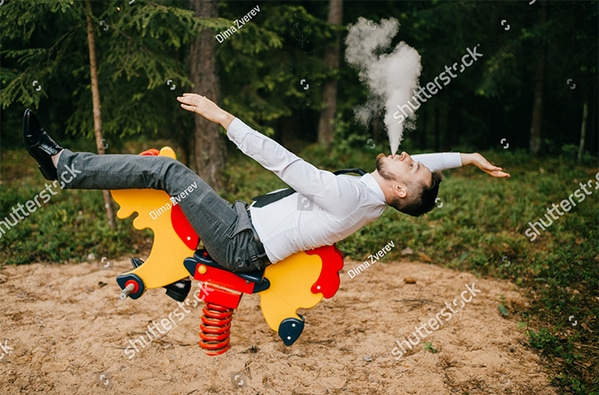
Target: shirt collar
371,183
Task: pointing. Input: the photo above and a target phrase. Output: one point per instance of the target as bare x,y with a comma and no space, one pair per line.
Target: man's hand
479,161
206,108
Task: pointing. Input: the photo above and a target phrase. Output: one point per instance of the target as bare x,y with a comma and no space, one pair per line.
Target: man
325,209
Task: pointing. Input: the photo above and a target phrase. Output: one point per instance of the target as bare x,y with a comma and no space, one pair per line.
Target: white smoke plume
391,78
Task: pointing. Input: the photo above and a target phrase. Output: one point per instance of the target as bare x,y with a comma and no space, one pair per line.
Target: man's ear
400,190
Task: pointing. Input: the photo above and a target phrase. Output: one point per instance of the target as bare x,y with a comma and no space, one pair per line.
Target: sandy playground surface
64,331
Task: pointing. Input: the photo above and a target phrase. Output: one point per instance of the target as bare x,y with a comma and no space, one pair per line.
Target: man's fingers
499,174
186,99
187,104
186,107
191,99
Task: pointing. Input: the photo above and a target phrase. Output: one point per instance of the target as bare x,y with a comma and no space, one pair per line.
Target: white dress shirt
326,208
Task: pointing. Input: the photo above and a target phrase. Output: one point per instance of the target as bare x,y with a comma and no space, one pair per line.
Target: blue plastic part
261,286
123,279
290,330
201,256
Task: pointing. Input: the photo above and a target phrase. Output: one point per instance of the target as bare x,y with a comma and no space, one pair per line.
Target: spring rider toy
299,281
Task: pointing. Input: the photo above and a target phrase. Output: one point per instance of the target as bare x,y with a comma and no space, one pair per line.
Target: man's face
403,169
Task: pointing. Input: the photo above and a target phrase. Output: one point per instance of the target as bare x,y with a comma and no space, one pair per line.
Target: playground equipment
300,281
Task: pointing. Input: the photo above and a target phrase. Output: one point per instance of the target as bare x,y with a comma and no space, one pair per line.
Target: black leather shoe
177,290
40,145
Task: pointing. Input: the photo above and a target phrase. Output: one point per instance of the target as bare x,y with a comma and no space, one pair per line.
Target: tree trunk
326,130
583,127
97,108
210,149
537,109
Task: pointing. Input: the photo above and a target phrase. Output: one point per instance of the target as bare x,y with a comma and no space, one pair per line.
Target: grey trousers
225,228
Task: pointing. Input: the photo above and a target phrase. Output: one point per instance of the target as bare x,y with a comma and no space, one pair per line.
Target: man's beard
379,167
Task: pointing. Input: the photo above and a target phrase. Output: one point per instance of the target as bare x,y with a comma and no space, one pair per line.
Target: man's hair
422,201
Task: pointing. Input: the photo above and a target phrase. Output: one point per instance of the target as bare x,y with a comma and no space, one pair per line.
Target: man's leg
226,231
214,219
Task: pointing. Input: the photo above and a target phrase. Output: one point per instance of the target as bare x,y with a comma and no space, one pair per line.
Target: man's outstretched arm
452,160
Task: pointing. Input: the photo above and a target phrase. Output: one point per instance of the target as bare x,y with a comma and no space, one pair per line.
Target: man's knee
171,170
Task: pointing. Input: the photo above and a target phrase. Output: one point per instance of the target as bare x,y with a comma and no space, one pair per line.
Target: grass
478,227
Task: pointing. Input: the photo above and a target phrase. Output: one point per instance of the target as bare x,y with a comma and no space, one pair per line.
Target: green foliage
274,58
543,339
428,346
66,226
138,49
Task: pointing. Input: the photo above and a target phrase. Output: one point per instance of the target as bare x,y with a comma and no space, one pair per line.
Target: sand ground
65,331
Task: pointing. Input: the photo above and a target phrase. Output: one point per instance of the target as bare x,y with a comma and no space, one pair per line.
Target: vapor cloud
391,78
